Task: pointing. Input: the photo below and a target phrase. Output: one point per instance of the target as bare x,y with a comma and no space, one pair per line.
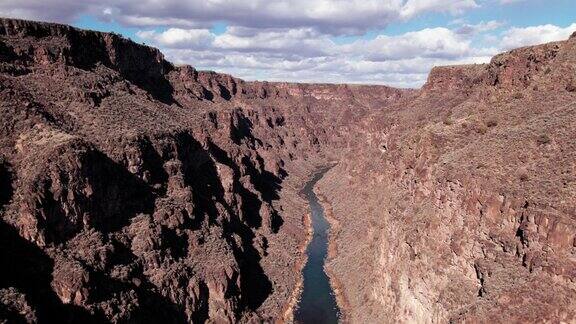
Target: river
317,303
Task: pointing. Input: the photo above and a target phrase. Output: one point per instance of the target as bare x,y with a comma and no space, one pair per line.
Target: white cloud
303,54
299,41
415,7
179,38
431,42
53,10
327,16
518,37
478,28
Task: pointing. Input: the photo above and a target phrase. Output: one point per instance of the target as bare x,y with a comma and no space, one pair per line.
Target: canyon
135,190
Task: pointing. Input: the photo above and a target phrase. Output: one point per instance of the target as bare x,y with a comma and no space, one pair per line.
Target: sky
392,42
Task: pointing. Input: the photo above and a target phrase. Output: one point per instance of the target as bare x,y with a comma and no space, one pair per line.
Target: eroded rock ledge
135,190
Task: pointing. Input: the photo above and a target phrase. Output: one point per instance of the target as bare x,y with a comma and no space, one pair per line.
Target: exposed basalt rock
14,307
133,190
33,43
6,189
455,78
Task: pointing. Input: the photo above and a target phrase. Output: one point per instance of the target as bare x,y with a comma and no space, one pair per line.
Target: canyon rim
136,190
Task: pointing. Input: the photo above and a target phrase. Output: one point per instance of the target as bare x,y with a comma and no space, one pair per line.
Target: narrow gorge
136,190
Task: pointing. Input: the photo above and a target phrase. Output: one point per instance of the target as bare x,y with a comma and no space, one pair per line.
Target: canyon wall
460,208
135,190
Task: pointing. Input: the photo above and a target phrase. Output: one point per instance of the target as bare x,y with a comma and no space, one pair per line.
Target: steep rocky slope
135,190
464,197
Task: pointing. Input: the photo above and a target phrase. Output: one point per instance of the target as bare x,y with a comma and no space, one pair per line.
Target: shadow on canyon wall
116,196
209,194
29,270
6,178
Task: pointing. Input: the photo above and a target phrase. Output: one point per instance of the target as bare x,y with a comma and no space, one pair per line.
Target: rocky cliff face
135,190
464,197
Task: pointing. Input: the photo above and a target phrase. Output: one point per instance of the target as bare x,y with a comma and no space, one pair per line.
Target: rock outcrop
133,190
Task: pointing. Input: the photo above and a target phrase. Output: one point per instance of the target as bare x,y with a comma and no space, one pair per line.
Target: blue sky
393,42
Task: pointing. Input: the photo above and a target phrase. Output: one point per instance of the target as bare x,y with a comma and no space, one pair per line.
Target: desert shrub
492,123
543,139
448,121
481,128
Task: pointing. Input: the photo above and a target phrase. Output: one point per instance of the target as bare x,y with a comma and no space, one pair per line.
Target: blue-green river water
317,304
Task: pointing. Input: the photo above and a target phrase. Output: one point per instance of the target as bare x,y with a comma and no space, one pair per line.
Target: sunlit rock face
135,190
463,199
